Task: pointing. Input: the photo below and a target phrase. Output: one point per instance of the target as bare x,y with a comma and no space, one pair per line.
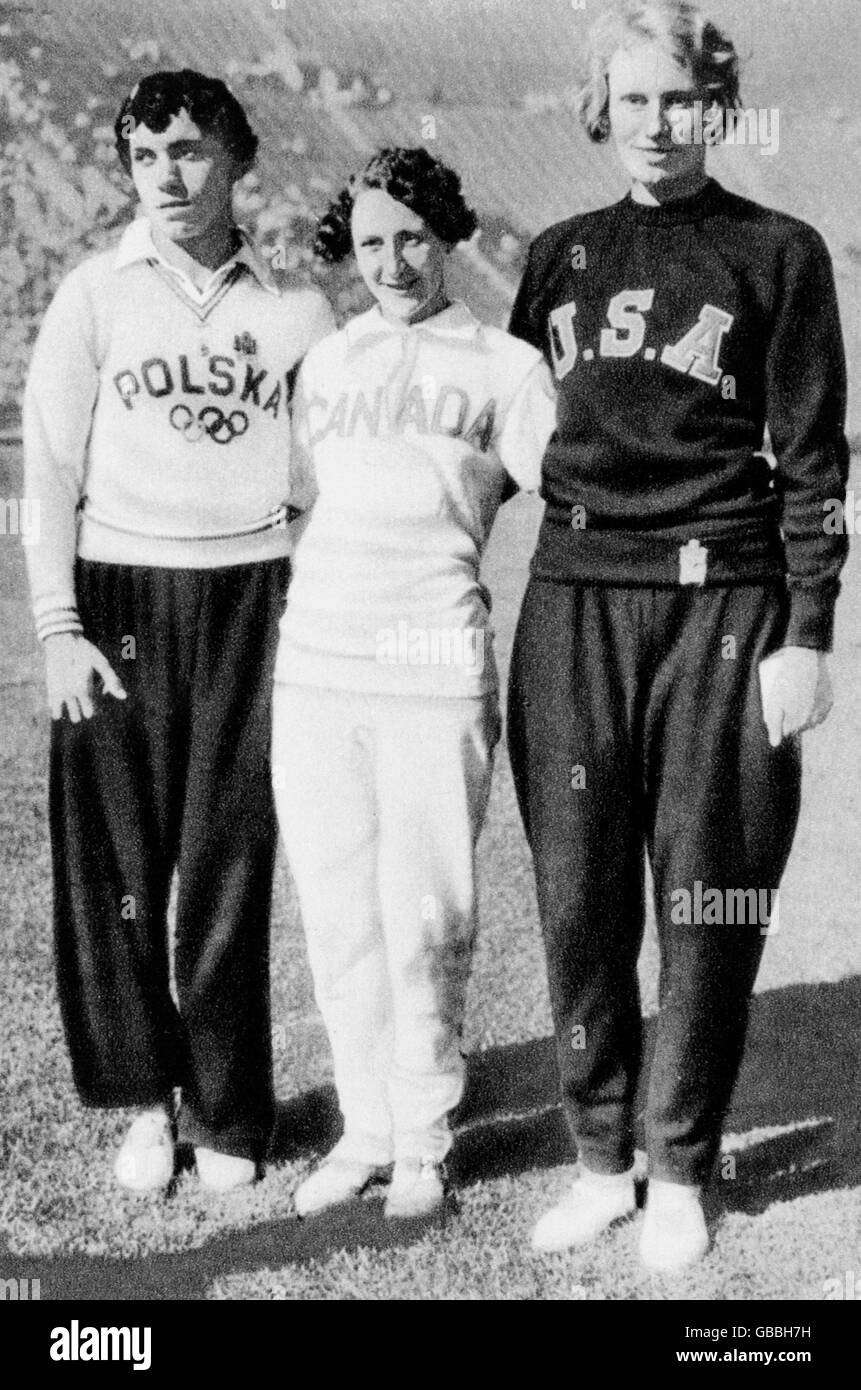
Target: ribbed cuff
811,619
58,621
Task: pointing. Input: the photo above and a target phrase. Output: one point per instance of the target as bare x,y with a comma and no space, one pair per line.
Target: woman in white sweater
411,422
156,436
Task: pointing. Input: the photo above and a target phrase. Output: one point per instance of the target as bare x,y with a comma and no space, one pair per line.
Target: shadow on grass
801,1073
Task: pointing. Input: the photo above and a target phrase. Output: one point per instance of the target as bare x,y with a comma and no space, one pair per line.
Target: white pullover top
156,419
404,437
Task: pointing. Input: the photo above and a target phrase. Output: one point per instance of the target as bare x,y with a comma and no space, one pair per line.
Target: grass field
792,1216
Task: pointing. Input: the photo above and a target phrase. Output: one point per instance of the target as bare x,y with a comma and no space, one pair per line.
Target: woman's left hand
796,691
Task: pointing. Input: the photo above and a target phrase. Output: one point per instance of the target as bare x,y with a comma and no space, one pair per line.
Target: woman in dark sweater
671,646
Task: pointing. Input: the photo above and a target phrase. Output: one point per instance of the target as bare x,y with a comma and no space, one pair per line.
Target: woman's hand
796,691
71,665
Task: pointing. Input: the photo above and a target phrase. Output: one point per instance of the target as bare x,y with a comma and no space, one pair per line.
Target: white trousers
381,800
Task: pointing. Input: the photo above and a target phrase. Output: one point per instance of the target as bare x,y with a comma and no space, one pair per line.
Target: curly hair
209,102
410,176
695,42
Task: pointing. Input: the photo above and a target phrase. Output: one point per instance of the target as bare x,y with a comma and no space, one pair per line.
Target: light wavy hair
694,41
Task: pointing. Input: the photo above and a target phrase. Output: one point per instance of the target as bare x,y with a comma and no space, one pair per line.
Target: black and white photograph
431,663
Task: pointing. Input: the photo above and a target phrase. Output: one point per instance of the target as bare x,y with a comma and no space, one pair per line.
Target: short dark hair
209,102
410,176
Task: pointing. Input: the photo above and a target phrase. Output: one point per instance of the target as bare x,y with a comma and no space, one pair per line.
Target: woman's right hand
71,665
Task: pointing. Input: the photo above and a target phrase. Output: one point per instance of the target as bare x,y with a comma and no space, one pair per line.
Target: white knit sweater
405,436
156,419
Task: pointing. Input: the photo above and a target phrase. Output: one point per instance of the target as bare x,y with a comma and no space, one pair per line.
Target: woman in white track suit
412,422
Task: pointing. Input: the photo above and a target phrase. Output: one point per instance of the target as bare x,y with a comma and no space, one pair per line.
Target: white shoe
593,1203
223,1172
144,1161
339,1178
417,1188
674,1233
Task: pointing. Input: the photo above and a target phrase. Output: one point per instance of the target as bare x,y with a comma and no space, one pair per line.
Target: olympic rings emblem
210,420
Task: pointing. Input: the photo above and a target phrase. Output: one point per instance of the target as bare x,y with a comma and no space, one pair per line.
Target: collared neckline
136,244
456,320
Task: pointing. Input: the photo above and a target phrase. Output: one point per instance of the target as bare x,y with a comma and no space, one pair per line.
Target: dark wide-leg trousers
177,776
635,726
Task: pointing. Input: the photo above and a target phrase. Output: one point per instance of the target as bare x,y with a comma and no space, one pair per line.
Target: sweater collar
455,321
136,244
681,210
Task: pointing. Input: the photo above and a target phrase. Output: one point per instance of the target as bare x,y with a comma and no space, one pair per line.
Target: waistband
297,664
685,557
98,540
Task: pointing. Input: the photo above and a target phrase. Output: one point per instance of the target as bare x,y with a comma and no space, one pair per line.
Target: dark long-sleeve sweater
677,333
